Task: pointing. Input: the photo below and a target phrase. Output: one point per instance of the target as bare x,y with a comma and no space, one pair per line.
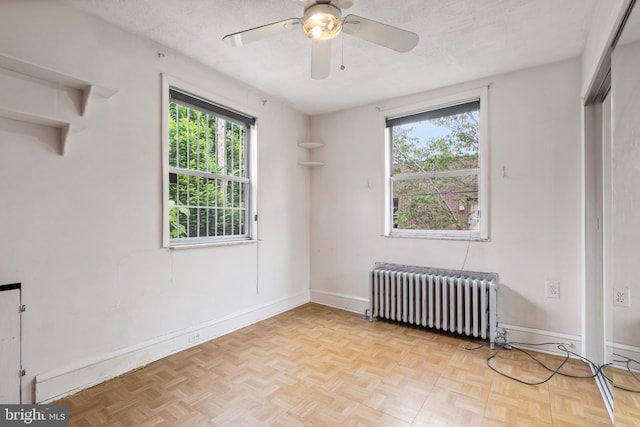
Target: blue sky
426,130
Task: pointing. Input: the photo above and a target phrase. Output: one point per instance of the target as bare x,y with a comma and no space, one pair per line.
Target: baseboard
532,338
342,301
55,385
615,350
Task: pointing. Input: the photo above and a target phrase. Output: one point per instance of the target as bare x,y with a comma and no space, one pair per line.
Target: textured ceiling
460,40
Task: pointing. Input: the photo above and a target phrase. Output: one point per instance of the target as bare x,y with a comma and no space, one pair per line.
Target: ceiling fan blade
247,36
320,59
344,4
381,34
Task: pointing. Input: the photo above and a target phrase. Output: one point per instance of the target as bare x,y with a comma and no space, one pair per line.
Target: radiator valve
502,336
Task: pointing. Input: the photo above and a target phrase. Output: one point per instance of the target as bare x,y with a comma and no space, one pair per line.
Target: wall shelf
64,126
311,163
309,145
90,91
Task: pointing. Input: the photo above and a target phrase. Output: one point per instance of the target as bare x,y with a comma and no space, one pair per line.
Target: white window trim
172,82
483,161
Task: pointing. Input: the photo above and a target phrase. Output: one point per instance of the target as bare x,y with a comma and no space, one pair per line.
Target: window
207,172
436,176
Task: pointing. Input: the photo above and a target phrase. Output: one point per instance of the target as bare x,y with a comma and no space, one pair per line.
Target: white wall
82,232
535,211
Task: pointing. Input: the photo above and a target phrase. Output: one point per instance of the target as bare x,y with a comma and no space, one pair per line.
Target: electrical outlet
621,297
552,289
194,337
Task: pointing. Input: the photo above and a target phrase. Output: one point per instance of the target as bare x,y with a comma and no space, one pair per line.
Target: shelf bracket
86,96
65,131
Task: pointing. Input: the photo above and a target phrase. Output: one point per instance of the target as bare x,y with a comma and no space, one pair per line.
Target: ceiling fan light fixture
322,22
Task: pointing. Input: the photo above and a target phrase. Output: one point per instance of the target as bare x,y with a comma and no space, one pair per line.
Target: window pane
173,111
193,191
241,152
211,152
173,195
221,231
221,139
212,185
183,185
238,220
201,148
174,229
234,146
202,191
192,228
203,229
444,143
449,203
183,222
181,130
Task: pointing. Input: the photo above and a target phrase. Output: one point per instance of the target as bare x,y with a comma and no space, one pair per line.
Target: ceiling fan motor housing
322,21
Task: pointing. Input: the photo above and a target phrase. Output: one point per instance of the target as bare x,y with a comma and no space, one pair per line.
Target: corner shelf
311,163
310,146
89,91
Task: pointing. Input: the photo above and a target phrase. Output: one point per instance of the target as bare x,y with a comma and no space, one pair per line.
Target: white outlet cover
621,297
552,289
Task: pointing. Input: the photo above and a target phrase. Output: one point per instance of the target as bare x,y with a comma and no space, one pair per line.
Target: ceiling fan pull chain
342,67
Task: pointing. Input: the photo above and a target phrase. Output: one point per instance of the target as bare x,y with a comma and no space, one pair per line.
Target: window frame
479,94
171,83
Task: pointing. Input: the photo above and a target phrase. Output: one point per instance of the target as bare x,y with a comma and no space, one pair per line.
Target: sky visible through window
426,130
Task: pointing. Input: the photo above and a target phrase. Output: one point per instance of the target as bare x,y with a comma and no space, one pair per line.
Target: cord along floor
320,366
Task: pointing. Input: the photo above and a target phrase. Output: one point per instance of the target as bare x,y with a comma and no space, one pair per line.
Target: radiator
462,302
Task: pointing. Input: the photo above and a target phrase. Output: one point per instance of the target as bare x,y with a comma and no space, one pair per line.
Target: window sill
212,244
436,236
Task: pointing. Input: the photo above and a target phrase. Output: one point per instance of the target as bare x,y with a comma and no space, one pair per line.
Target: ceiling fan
322,21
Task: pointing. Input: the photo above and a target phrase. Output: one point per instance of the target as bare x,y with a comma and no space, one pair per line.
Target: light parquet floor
319,366
626,401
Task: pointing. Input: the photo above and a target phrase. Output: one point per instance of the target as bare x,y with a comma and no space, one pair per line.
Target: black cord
464,261
554,371
481,345
563,347
627,361
599,370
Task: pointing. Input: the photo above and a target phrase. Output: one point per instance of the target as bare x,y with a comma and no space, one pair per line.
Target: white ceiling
460,40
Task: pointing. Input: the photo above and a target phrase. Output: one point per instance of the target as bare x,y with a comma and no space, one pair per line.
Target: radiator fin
461,302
